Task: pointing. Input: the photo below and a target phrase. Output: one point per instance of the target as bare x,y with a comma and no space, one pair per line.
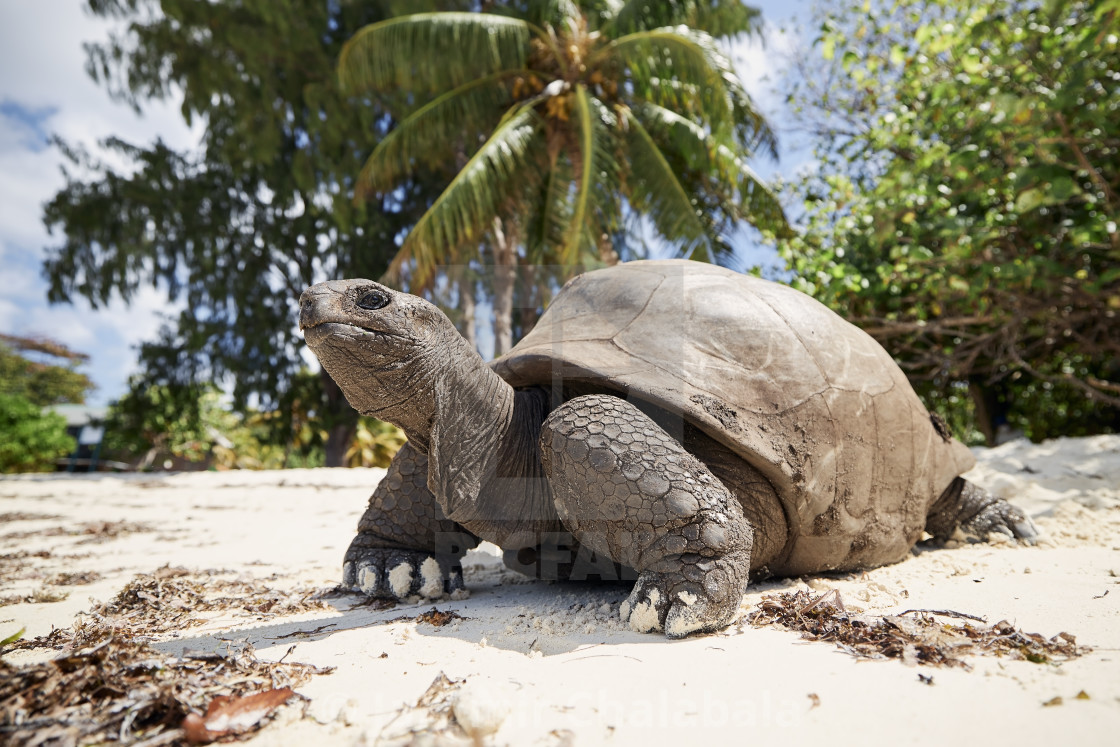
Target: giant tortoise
679,422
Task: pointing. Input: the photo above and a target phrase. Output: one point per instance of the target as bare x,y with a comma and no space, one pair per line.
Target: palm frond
600,13
551,213
746,196
464,211
750,127
655,189
684,70
758,204
592,204
432,134
574,236
432,52
606,205
720,18
552,13
694,143
673,67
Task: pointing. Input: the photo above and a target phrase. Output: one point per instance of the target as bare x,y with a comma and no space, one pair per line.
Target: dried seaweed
432,716
148,597
25,516
39,596
102,531
21,554
122,691
74,578
920,639
94,531
12,567
173,599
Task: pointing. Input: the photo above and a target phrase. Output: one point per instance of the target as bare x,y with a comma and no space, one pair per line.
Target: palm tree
575,116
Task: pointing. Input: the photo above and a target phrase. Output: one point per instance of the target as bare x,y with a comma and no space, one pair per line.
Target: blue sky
44,90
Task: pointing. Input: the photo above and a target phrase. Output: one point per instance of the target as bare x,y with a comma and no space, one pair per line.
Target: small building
85,423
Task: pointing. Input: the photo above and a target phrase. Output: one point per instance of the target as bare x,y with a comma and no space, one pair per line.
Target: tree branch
1090,391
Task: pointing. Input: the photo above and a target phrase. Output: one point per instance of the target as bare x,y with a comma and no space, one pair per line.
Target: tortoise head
384,348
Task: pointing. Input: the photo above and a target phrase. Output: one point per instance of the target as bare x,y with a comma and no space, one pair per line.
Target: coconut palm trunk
465,286
505,273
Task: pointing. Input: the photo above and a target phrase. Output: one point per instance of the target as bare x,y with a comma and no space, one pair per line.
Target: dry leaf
438,618
228,715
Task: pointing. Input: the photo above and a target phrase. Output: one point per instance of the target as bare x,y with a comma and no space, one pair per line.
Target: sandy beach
535,663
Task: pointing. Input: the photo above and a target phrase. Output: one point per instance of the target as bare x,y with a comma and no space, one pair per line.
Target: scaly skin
978,514
628,490
405,546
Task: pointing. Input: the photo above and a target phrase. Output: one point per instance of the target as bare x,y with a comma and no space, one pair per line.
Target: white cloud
27,180
44,89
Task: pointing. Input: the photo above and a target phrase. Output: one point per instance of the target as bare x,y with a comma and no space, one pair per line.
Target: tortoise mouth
323,330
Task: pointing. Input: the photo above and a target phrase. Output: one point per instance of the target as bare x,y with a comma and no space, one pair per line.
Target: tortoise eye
373,300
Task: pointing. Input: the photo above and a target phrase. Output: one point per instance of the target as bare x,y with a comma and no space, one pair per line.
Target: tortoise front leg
626,489
405,546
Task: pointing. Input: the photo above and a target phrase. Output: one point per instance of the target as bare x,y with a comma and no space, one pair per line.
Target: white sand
539,663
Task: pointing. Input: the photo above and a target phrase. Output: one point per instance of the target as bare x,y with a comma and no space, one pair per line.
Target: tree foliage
566,115
236,228
965,208
154,418
32,439
154,422
42,371
375,444
36,372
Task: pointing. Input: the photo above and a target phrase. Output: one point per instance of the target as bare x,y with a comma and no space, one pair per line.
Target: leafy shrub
30,439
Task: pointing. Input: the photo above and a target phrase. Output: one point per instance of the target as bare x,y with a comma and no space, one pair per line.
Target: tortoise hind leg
405,546
977,514
627,490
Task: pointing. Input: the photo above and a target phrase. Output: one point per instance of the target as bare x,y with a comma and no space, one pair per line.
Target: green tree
236,228
31,439
154,421
36,372
42,371
566,117
966,204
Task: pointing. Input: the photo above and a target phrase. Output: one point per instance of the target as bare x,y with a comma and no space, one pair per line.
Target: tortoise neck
473,406
484,464
471,417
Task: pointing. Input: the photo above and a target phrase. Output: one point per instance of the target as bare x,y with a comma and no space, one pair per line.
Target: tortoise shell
808,399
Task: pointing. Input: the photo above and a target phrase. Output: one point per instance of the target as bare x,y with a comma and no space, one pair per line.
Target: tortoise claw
403,575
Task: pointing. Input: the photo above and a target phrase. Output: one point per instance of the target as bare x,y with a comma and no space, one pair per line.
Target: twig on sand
948,613
294,633
602,656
